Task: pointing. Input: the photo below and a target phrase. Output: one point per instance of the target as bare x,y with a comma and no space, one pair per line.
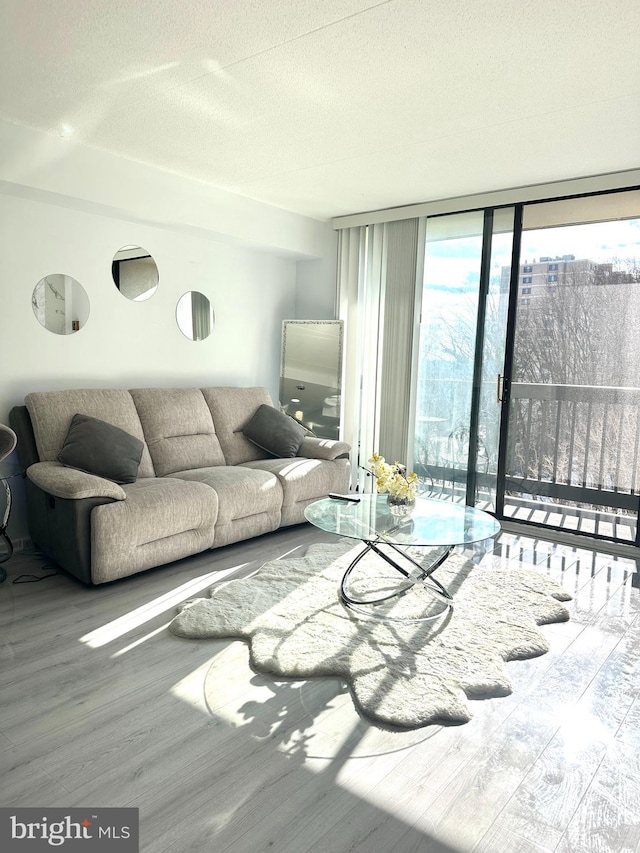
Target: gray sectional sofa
190,478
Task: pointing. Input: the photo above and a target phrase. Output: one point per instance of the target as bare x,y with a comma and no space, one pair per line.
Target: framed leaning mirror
311,374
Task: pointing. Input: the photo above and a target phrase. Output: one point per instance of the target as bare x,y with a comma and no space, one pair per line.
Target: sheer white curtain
378,266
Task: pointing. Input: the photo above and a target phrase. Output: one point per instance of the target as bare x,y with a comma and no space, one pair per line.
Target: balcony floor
621,528
567,518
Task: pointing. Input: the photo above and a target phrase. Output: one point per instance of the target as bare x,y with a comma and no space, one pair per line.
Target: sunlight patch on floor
580,726
124,624
225,687
141,640
190,688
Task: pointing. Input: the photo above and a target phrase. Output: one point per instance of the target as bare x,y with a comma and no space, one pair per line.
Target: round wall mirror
194,315
60,304
135,273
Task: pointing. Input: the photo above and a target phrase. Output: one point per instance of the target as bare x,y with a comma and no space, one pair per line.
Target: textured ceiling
329,107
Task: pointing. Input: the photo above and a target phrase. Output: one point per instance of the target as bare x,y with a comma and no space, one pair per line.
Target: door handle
500,388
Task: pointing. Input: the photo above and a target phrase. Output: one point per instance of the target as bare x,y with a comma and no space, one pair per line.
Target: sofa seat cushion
161,520
241,491
304,479
249,502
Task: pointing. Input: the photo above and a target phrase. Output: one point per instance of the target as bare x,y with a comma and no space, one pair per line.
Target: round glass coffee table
431,524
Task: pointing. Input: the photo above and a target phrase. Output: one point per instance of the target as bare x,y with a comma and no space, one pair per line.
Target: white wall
71,175
316,284
250,283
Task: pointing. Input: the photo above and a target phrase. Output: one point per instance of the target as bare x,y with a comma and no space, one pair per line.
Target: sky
454,264
599,241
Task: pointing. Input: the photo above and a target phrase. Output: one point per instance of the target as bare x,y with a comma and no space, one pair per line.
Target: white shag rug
401,674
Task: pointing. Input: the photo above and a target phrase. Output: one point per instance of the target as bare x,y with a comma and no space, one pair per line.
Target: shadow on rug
405,675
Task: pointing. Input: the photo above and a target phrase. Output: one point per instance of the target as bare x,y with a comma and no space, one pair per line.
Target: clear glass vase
400,505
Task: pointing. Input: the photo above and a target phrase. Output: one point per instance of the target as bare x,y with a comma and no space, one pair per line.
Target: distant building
538,277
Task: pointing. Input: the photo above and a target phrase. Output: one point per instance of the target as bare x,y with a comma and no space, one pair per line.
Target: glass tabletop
432,522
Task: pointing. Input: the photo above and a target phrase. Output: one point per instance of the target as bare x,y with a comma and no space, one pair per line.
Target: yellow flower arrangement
393,479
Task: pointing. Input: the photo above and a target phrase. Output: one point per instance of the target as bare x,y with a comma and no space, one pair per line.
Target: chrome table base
418,574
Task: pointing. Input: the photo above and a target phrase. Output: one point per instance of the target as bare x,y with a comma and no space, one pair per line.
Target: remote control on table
350,498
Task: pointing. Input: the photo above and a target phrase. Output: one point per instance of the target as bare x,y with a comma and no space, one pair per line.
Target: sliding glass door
574,414
484,453
527,398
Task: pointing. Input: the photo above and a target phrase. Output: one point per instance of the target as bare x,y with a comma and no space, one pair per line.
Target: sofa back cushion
178,429
231,410
51,414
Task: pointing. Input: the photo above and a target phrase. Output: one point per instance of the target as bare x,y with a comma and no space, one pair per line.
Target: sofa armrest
69,483
323,448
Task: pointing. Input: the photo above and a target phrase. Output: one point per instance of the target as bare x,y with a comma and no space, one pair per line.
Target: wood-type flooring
101,706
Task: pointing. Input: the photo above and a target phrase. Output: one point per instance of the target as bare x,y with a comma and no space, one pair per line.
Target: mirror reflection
311,374
60,304
194,315
135,273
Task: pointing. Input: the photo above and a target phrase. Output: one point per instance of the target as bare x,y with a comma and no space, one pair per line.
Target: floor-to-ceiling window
527,385
461,353
493,350
448,329
574,415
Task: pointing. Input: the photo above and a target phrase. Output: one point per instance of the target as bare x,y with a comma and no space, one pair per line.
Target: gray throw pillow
275,432
99,448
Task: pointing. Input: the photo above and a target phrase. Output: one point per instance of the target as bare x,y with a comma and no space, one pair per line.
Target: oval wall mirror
60,304
194,315
135,273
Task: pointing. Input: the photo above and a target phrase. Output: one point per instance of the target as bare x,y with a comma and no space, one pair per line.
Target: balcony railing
568,445
576,443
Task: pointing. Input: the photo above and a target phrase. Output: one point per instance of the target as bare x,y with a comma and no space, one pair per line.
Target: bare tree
582,332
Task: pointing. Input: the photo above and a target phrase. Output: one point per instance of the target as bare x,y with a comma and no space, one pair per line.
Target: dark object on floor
8,441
